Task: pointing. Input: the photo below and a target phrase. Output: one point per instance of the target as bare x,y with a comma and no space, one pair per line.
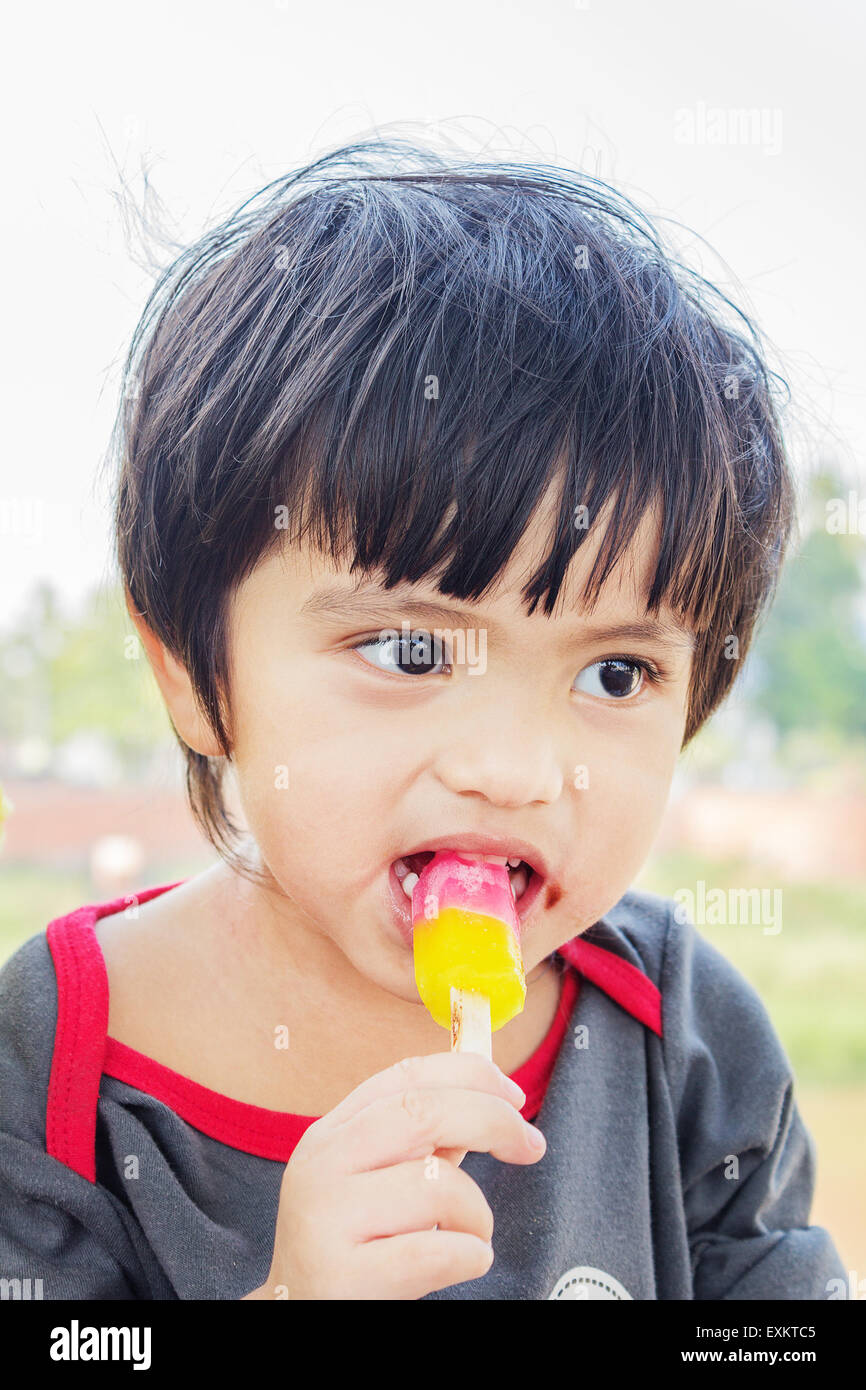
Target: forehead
323,588
628,584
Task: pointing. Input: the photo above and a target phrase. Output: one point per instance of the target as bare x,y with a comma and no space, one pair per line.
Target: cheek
632,784
617,816
615,824
311,778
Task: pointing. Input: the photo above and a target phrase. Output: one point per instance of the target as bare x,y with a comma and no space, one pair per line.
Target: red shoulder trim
631,989
79,1038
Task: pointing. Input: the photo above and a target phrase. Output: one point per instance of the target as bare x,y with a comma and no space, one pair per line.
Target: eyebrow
346,605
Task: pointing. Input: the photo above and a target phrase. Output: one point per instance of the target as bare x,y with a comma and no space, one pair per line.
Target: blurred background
171,118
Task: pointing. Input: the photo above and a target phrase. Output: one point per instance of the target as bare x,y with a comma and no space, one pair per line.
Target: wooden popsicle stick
470,1022
470,1032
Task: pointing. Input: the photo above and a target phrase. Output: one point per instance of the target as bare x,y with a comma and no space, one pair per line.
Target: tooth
484,858
409,882
401,868
514,863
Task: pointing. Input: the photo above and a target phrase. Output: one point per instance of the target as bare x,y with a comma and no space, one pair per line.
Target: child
447,505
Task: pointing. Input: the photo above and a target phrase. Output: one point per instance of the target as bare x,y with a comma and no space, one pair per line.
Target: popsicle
468,966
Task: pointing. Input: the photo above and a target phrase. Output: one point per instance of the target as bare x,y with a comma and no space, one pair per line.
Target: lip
401,906
476,843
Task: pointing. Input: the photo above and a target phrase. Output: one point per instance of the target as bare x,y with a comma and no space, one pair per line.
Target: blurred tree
25,653
810,655
63,676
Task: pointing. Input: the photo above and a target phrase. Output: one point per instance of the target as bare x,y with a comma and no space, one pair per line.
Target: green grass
811,975
31,897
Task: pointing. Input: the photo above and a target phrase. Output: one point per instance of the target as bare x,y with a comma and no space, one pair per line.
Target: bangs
445,514
446,360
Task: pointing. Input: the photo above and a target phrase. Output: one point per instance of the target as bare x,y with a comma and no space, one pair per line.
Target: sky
209,101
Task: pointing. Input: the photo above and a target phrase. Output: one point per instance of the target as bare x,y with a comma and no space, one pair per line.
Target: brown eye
415,654
614,678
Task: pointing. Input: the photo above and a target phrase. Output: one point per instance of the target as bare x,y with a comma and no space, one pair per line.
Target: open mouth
409,868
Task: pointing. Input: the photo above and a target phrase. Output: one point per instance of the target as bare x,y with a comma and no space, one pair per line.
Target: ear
176,687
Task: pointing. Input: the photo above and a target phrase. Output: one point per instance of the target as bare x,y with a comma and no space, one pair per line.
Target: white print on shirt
585,1282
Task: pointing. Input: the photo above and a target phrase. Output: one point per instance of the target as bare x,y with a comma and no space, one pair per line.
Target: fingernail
536,1138
514,1092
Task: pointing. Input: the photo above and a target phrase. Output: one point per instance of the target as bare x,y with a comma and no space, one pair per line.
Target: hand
370,1210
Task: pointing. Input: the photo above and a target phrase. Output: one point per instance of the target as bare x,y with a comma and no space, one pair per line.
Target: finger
455,1156
414,1197
412,1265
416,1122
468,1070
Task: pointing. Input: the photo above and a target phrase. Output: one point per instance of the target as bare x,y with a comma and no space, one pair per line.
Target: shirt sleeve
55,1245
747,1160
61,1236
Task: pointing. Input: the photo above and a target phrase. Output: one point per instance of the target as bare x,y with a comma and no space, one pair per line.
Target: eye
415,653
617,677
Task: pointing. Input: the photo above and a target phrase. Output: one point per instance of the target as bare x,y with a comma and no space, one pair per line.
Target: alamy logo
76,1343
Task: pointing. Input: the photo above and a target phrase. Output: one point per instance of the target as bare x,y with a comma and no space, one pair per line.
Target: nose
509,762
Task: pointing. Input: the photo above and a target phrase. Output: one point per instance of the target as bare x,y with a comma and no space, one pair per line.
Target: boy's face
348,759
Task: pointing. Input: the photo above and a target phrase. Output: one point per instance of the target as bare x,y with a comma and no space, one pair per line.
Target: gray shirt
677,1163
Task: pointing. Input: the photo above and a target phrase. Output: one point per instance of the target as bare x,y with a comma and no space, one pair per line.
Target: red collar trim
83,1051
635,991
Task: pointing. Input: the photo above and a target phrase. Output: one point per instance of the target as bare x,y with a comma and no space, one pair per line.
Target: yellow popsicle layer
470,950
